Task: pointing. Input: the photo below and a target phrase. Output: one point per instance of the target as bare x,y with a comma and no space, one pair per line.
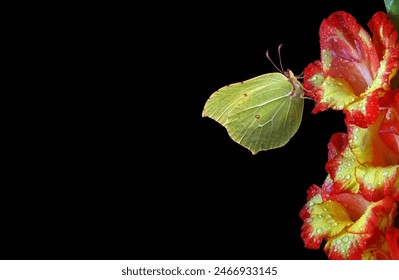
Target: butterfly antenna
279,57
275,66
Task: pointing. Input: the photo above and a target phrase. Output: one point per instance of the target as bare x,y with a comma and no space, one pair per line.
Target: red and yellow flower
356,210
355,69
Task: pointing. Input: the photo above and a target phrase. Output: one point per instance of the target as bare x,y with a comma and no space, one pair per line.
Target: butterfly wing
260,113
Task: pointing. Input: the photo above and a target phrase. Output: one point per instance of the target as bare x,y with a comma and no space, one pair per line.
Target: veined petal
355,70
347,51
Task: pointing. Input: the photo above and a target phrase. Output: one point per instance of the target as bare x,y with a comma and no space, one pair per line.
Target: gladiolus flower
351,226
355,69
355,211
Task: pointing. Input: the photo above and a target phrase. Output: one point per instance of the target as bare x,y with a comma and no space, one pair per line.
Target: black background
136,172
242,206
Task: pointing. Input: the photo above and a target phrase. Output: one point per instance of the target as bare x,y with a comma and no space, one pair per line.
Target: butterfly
260,113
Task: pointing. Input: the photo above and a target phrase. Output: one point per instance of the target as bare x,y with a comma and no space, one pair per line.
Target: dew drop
347,176
345,239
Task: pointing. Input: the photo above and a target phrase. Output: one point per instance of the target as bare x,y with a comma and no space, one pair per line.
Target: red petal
373,216
385,42
340,166
384,33
393,242
389,129
313,78
337,144
347,51
376,182
346,246
363,117
355,204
